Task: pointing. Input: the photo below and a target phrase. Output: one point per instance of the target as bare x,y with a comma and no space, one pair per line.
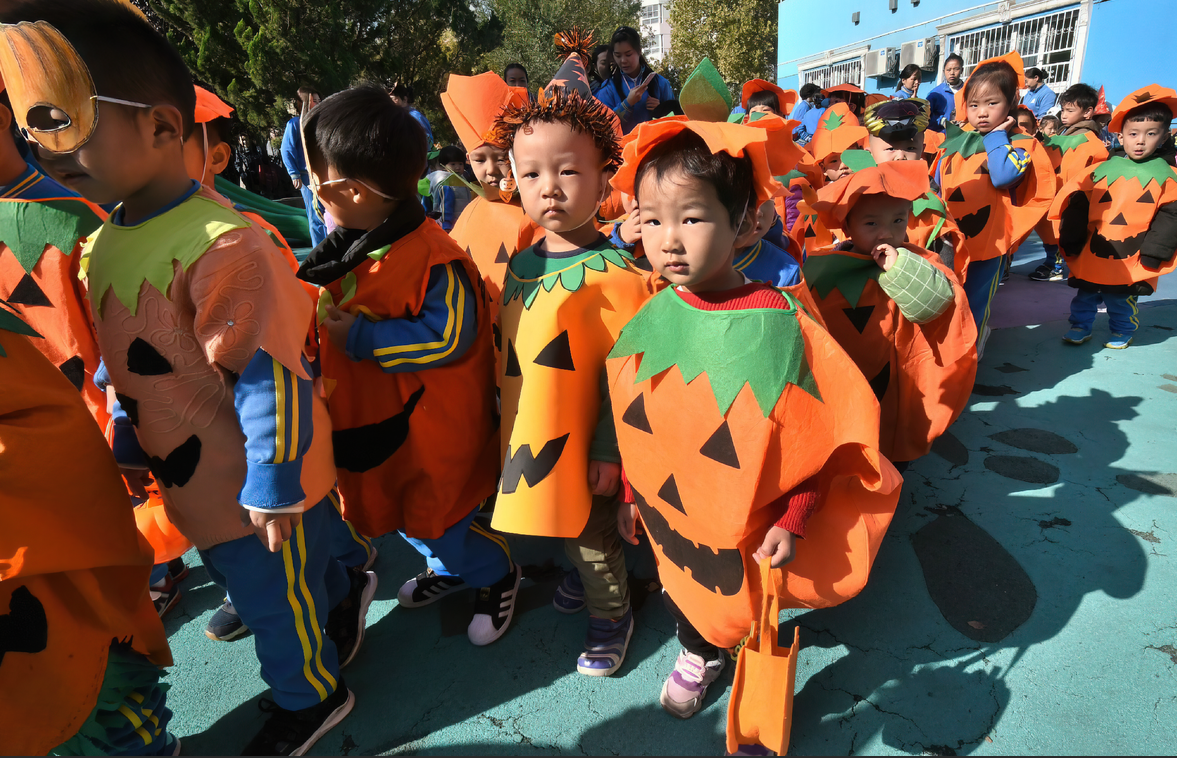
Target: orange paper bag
161,533
760,711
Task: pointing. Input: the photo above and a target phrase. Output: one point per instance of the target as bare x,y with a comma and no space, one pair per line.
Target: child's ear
606,188
219,157
167,125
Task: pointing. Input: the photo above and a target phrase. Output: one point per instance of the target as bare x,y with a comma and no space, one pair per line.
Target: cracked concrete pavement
1088,667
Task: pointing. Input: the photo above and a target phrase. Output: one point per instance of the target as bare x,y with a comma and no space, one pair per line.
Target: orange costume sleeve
73,569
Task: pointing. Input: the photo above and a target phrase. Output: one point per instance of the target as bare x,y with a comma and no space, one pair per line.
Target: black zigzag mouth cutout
720,570
363,448
521,463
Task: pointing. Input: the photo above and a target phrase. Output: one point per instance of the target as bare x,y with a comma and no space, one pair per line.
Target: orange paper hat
768,144
1013,58
904,179
837,130
1101,105
474,102
1153,93
209,106
787,98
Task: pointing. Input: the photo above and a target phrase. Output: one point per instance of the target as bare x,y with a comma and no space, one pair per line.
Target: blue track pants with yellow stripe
348,546
1123,314
284,599
467,549
980,285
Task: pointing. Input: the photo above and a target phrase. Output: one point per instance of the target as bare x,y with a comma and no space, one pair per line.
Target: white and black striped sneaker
493,608
426,588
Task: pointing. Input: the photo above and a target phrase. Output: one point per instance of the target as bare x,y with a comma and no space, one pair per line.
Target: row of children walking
605,309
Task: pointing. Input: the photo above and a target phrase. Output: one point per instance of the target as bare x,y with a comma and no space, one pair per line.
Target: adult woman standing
636,90
909,82
602,73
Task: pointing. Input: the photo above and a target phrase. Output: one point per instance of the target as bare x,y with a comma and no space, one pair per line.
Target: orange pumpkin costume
922,373
73,570
838,130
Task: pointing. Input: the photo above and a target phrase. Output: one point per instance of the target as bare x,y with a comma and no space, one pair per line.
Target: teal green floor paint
1092,670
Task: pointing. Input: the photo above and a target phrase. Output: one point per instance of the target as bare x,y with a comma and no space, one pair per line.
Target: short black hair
688,153
1037,73
998,74
1021,109
366,136
127,58
451,154
808,90
1082,95
765,97
954,57
403,91
1157,112
908,70
519,66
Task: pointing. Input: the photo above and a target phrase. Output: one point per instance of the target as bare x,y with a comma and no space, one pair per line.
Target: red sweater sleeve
797,506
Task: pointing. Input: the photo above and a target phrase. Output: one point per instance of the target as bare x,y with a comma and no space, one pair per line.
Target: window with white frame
652,14
842,72
1046,42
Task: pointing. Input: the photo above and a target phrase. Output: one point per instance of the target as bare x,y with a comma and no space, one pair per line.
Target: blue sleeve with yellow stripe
441,333
274,408
1007,164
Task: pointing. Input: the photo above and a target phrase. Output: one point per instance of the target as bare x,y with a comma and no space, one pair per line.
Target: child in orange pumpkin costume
564,302
710,383
996,181
1118,219
838,130
407,358
894,307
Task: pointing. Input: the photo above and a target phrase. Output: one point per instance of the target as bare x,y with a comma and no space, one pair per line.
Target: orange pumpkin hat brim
903,179
474,102
838,130
1153,93
768,143
209,106
1013,58
787,98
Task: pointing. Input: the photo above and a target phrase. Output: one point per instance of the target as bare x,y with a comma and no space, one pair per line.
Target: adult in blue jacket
810,99
1039,98
942,98
296,164
635,91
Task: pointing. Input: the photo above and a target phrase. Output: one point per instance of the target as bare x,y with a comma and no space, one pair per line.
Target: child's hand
627,514
603,477
137,480
338,325
630,230
885,256
778,545
273,529
1009,124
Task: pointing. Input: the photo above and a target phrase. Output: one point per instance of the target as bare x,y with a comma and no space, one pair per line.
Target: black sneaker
165,596
177,571
225,624
493,609
1047,273
346,621
427,588
295,732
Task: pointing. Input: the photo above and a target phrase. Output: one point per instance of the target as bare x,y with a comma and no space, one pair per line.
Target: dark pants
688,636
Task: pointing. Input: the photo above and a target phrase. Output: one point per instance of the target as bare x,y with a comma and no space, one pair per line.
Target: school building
1120,44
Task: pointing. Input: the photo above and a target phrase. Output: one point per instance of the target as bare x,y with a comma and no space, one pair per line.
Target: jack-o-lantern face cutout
708,408
1123,197
559,316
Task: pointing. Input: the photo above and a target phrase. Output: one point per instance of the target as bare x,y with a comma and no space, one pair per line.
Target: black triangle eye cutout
74,370
669,493
502,256
512,365
957,196
859,316
1119,220
557,354
145,360
1107,197
1145,198
881,381
721,448
635,415
984,169
27,292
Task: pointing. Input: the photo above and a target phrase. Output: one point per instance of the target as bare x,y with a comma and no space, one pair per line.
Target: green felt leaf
762,348
704,95
929,200
423,187
794,174
10,322
849,274
1119,167
457,180
857,160
1065,143
379,253
833,120
736,118
349,288
27,226
958,141
527,271
326,300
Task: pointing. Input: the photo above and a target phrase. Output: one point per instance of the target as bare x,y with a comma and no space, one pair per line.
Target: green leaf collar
846,272
1120,167
528,271
27,226
958,141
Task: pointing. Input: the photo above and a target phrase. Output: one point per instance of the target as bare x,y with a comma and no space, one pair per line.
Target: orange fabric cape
68,550
707,406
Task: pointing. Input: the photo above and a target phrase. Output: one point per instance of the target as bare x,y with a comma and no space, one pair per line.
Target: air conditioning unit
921,52
881,63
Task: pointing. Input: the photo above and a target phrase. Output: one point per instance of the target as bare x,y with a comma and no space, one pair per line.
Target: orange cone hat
1101,105
474,102
903,179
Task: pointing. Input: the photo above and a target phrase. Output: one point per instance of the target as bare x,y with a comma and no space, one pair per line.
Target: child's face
1047,127
987,108
561,179
687,232
834,168
516,78
884,151
878,220
350,203
129,147
219,155
1072,114
490,165
1026,124
1142,138
456,167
